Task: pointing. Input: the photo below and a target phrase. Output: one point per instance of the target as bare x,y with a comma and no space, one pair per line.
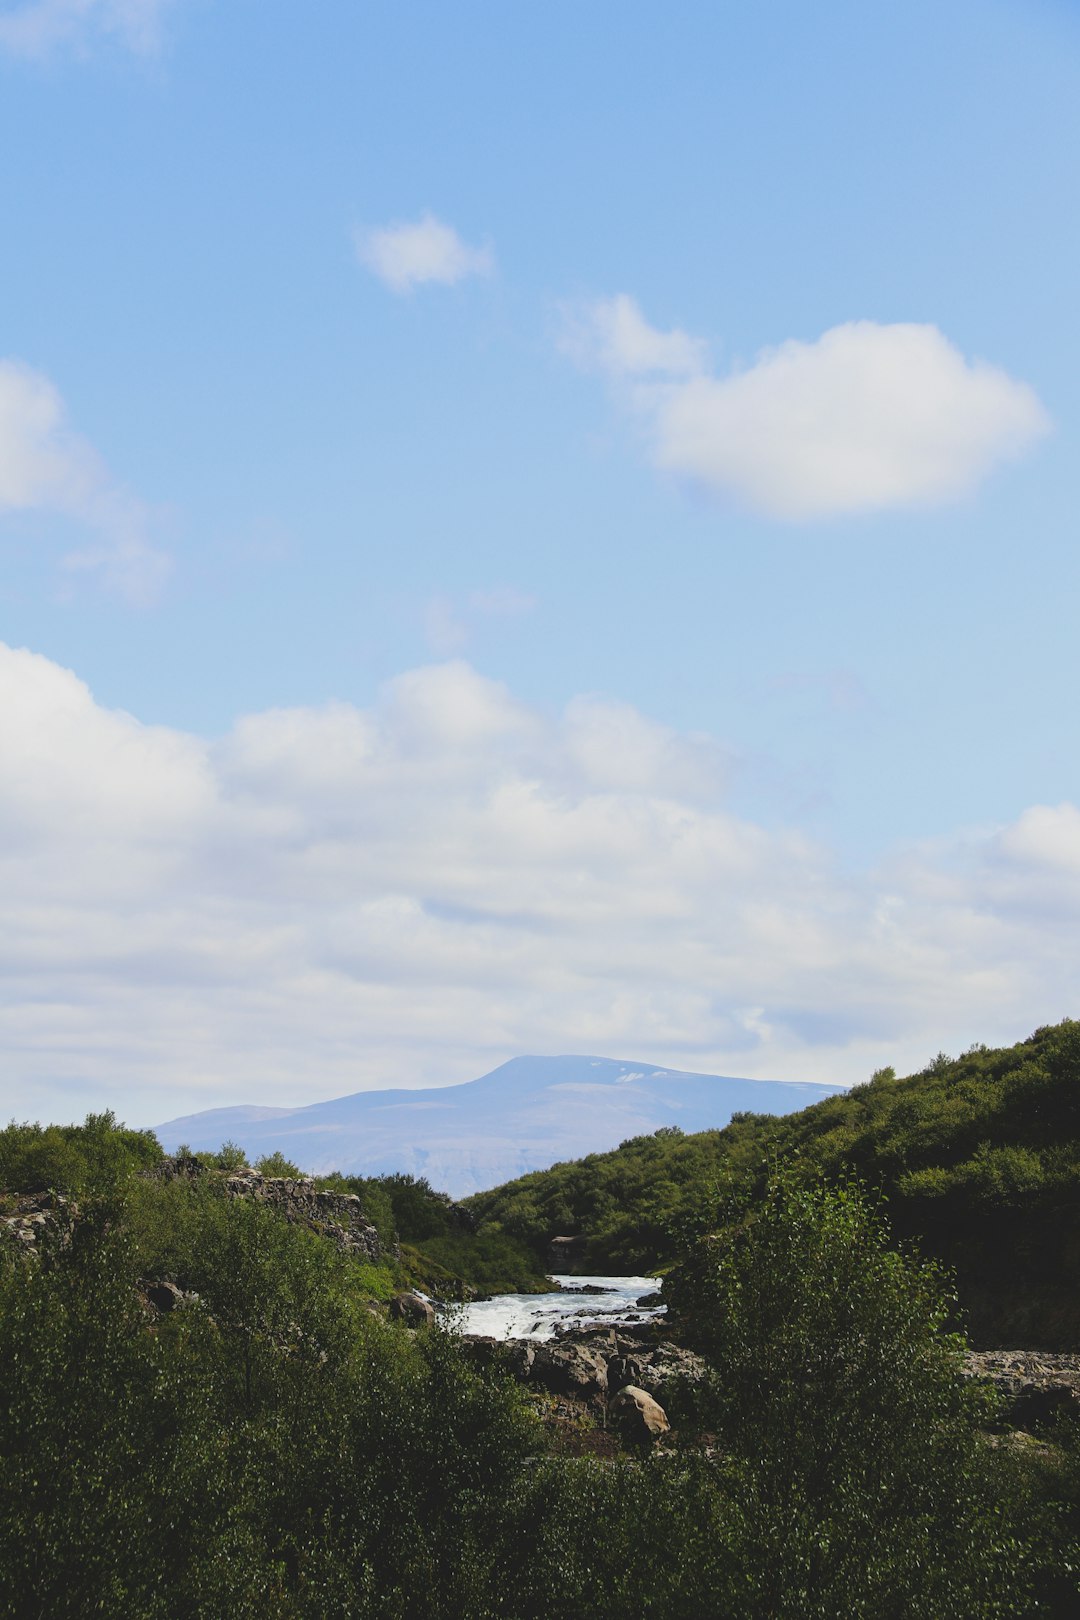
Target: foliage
229,1156
74,1159
276,1164
443,1246
849,1432
436,1238
269,1448
624,1203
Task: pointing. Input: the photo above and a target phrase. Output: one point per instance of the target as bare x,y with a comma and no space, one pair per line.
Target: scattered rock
185,1164
519,1356
649,1302
33,1214
667,1364
1035,1387
623,1370
641,1420
587,1362
483,1350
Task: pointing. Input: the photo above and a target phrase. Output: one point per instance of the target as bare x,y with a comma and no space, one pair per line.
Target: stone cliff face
336,1216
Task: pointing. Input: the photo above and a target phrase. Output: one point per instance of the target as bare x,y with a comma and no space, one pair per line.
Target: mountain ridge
526,1114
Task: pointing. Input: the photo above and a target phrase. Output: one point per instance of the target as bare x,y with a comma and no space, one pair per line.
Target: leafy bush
266,1449
849,1436
276,1164
98,1155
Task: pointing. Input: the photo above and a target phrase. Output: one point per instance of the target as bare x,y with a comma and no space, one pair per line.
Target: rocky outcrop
592,1365
563,1252
1034,1387
32,1214
164,1296
336,1216
569,1368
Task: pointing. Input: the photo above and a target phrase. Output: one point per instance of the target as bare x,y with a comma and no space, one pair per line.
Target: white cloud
44,25
44,466
334,898
406,255
869,417
613,335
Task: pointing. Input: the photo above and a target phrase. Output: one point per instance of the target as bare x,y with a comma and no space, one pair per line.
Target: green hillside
207,1409
977,1156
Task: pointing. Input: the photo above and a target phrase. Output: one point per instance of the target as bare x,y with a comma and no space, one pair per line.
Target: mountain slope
978,1157
523,1116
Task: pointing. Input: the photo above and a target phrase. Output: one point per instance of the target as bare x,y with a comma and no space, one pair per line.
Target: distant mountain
525,1115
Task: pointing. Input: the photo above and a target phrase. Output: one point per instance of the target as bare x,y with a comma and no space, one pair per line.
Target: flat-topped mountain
525,1115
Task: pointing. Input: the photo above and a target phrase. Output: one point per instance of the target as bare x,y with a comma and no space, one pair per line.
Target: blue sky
657,431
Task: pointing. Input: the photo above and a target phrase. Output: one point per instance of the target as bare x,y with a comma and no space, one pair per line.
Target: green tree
276,1164
97,1156
849,1436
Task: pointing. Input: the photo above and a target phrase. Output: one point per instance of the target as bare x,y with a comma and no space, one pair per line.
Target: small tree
230,1156
849,1433
276,1164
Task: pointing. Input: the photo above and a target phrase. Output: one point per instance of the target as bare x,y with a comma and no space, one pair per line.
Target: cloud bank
334,898
45,466
405,256
868,418
46,25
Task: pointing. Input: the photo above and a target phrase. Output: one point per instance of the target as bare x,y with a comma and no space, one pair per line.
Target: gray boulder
164,1296
412,1310
570,1369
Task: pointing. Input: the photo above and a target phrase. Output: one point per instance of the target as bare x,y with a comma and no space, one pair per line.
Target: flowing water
536,1316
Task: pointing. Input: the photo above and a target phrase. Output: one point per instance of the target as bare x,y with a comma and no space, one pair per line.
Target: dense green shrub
72,1159
267,1449
276,1164
849,1435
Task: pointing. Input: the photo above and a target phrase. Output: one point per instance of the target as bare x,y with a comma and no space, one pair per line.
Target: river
610,1300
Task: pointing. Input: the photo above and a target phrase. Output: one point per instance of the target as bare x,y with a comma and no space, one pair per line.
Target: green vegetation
852,1440
440,1249
434,1242
979,1158
443,1248
271,1450
268,1449
71,1159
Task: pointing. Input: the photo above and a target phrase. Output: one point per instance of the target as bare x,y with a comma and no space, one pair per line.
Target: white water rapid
536,1316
